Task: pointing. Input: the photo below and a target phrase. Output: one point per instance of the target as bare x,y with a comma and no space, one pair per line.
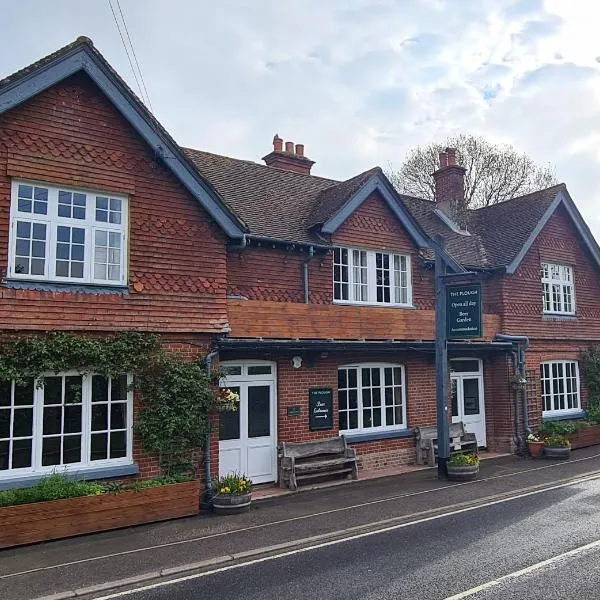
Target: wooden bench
298,462
427,444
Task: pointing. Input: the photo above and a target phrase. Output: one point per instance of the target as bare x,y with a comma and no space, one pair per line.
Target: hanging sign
463,311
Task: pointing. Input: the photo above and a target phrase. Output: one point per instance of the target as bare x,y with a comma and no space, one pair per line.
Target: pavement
88,566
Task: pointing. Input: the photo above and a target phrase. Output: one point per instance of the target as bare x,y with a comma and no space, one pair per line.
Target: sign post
441,363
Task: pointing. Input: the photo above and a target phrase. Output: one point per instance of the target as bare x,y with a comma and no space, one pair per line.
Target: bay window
371,277
64,421
371,397
73,236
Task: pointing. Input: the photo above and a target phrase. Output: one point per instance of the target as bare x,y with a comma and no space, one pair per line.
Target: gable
82,57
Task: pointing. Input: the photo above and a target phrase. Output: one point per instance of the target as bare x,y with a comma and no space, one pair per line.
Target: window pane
118,444
118,415
30,242
72,449
21,454
229,422
259,370
99,446
4,456
23,393
99,388
100,417
53,390
51,451
259,411
52,420
22,422
72,419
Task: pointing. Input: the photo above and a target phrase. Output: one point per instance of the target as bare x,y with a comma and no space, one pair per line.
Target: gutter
521,343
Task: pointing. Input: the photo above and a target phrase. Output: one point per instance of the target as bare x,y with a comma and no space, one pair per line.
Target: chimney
450,187
289,159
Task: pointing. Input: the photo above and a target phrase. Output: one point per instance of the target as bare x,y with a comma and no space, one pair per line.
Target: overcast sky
359,82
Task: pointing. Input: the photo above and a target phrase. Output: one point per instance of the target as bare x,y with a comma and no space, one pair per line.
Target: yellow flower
222,490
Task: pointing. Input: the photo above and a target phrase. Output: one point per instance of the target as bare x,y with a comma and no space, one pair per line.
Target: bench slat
336,472
306,449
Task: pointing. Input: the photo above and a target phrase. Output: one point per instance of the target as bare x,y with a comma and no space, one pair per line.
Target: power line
135,56
126,50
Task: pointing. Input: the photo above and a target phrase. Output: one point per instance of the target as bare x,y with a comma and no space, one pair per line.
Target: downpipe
207,496
522,343
311,253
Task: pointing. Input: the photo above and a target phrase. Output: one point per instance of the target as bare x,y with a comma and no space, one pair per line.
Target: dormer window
558,293
65,235
371,277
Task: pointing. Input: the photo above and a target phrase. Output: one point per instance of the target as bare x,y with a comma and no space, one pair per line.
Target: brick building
304,286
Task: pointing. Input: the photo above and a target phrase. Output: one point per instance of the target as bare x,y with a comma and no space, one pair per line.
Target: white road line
531,569
282,521
336,542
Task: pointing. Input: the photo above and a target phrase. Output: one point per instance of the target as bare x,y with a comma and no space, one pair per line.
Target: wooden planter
28,523
588,436
462,472
227,504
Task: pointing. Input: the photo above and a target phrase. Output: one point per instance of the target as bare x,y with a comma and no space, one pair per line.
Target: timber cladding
72,135
29,523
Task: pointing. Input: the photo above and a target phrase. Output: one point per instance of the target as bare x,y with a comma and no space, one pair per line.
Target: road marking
291,519
531,569
337,541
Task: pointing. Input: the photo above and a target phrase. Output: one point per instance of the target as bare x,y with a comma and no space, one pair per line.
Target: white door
467,397
247,436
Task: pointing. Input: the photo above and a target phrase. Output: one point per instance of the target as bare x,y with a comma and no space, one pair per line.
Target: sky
358,82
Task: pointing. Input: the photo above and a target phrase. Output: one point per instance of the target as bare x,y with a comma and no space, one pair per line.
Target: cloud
359,82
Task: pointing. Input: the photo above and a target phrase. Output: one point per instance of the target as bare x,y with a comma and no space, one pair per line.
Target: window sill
85,473
74,288
547,316
376,304
567,416
356,438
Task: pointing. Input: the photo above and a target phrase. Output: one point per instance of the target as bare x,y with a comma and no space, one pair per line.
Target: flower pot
557,452
230,504
462,472
536,449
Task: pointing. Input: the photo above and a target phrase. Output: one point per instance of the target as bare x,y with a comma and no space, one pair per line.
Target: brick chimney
290,159
450,187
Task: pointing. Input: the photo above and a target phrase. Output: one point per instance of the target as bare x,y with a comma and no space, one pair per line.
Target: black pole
441,362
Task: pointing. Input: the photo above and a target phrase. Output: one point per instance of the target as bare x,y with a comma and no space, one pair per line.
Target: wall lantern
297,362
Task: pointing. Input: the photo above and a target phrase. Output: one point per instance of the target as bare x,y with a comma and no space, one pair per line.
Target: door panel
468,404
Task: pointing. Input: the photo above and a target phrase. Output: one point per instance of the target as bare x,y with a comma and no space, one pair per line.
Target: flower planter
554,452
588,436
41,521
229,504
462,472
536,449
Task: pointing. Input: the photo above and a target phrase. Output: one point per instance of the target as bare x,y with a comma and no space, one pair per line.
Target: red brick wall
72,135
558,242
262,273
499,403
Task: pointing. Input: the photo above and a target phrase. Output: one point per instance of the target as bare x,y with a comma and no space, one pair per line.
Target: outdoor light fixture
297,362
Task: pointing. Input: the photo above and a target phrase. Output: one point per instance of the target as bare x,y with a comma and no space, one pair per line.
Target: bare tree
495,172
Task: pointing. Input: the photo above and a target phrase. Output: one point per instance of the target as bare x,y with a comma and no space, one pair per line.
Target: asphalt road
431,560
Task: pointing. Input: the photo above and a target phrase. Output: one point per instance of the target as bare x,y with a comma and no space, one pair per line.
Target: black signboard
320,409
463,311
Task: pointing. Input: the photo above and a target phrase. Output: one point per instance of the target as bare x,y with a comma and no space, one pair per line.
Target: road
430,559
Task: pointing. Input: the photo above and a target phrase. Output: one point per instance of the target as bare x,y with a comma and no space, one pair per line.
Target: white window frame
52,221
557,278
360,388
554,387
354,280
86,432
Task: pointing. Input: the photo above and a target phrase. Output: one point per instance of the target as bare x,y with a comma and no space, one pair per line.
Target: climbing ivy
590,372
56,352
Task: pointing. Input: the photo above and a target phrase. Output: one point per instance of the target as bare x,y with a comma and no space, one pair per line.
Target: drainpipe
207,502
311,253
522,343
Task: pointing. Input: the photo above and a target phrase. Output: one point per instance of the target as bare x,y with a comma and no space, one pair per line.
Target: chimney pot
277,143
289,147
451,152
443,160
299,149
290,159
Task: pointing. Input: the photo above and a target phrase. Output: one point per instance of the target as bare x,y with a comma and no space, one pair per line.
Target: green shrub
463,460
550,428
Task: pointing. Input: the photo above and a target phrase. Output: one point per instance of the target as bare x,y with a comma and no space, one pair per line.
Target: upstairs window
73,236
557,289
371,277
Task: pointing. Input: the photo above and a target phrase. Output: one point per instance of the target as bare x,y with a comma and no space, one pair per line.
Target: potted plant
518,382
535,445
557,446
463,467
232,494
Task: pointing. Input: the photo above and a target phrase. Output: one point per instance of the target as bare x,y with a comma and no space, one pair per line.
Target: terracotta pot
229,504
560,452
462,472
536,449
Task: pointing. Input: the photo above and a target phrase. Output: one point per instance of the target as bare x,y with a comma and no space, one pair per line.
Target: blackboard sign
463,311
320,409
